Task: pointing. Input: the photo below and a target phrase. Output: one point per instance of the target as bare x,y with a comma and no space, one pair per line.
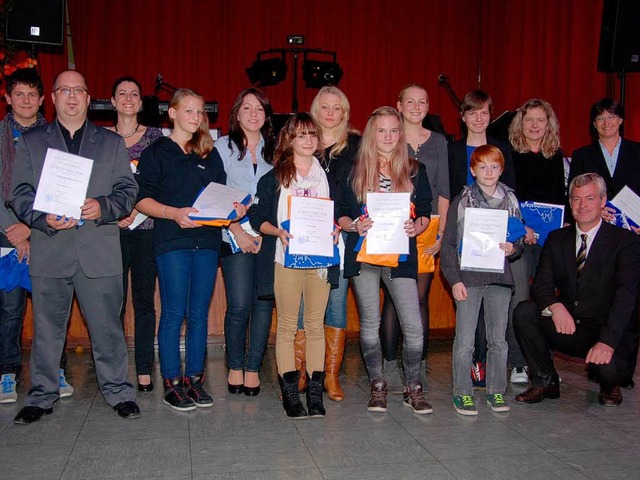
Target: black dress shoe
236,389
251,391
31,414
128,409
145,388
536,394
610,397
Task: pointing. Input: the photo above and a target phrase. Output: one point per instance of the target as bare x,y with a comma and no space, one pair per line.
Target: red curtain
513,49
549,49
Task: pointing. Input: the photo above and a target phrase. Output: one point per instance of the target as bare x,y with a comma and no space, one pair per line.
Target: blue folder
621,219
304,262
542,217
13,273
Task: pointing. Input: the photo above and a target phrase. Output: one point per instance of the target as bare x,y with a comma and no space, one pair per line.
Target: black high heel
235,389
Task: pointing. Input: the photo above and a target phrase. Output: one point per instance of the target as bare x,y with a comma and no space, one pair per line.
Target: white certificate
628,202
484,230
63,185
216,202
140,217
311,226
388,211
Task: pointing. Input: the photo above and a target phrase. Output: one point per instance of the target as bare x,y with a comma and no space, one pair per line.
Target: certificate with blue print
63,184
626,205
311,221
484,230
543,218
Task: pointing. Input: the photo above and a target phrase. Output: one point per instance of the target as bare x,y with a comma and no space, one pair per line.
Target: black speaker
619,39
36,21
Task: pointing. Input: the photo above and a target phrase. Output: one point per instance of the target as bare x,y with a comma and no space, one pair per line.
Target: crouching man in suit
585,299
67,257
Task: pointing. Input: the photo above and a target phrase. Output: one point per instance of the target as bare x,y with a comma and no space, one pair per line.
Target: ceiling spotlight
318,74
263,73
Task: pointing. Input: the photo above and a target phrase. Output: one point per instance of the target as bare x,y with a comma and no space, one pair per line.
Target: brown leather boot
301,362
335,339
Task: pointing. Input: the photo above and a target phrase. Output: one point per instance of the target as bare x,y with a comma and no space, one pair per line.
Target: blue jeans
336,314
495,299
186,279
11,313
404,293
244,310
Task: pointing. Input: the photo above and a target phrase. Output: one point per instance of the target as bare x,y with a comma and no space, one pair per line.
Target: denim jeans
244,310
336,314
137,255
496,312
11,314
404,292
186,279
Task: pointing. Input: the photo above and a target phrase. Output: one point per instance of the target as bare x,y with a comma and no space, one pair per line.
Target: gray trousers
404,293
496,311
100,300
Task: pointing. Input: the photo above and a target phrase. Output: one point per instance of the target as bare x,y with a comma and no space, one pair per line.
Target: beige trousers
290,287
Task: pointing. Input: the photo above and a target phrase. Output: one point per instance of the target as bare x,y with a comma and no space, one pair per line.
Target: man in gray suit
70,255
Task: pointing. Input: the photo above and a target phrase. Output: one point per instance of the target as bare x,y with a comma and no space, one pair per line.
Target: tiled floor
251,438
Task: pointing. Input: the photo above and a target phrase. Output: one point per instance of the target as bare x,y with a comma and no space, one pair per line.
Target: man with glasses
584,299
76,255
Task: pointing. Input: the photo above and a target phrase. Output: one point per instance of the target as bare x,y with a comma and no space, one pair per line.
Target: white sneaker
66,390
8,392
520,375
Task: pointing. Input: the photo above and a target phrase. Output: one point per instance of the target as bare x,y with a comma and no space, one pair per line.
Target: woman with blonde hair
338,145
430,149
534,135
172,172
383,165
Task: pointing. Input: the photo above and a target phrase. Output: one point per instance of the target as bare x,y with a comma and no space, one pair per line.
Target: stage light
271,71
318,74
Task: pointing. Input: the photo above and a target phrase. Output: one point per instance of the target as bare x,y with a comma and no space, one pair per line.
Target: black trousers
537,337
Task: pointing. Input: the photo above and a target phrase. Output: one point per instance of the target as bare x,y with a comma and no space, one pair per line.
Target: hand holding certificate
388,211
63,184
311,226
484,230
216,204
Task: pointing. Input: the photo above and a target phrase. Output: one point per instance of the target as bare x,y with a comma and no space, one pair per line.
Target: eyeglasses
77,91
608,118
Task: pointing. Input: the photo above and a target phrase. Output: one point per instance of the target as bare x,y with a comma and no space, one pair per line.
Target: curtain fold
513,49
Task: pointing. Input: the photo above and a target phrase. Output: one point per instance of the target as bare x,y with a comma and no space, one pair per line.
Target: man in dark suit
585,298
68,256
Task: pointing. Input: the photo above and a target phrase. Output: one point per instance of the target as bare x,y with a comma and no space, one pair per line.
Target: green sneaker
464,405
497,403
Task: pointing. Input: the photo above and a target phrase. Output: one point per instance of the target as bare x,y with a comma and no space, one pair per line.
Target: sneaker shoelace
378,395
198,389
498,399
418,400
7,384
467,401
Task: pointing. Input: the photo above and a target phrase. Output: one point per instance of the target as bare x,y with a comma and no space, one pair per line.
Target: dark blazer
589,159
606,297
95,246
458,165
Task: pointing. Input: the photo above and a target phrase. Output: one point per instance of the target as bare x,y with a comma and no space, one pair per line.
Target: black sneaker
378,401
175,396
196,391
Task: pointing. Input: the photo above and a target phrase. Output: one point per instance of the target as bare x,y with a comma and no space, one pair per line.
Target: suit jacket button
577,322
575,303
